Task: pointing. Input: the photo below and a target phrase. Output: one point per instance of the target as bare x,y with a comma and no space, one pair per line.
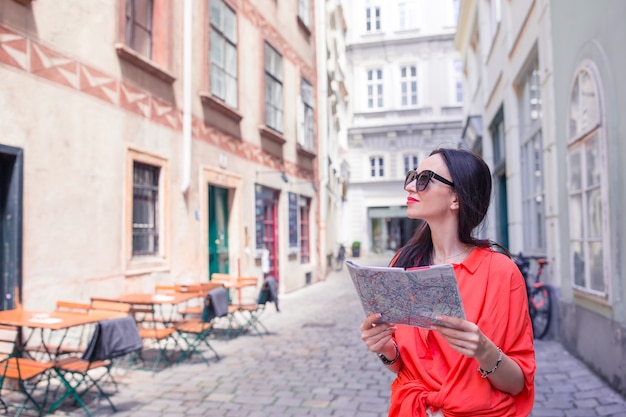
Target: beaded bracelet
483,373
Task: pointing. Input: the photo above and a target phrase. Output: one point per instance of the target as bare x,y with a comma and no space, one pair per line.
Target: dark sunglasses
422,179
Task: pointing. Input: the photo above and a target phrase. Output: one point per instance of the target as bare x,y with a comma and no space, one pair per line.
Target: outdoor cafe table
51,320
159,328
152,300
54,321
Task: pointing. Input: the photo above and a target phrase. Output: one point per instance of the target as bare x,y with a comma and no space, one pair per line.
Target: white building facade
407,100
543,106
334,101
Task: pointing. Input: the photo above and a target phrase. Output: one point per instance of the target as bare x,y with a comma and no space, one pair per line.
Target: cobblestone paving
314,364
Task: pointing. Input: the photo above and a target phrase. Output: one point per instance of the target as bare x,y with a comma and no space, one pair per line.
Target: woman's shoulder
497,259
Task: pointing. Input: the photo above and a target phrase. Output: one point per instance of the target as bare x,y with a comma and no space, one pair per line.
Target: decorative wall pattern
28,55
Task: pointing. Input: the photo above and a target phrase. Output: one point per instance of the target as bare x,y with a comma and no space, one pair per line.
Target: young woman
481,366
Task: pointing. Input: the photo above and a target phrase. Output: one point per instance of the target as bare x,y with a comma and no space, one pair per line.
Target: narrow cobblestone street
314,364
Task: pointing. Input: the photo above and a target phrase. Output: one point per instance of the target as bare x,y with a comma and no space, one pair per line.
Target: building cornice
398,41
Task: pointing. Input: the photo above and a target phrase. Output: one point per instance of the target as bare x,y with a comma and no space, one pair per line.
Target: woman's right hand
377,336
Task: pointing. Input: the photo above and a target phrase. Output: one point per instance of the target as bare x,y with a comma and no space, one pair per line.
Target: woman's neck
449,250
452,256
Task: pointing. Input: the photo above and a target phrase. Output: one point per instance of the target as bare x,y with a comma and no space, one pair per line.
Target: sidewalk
314,364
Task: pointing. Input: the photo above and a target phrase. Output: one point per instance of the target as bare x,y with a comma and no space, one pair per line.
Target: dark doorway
267,229
11,180
218,230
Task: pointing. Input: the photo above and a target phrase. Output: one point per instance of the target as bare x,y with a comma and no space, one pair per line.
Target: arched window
589,230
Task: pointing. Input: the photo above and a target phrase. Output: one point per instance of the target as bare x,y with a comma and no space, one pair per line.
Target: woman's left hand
463,336
466,338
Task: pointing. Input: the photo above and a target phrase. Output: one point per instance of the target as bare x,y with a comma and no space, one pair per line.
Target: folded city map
414,297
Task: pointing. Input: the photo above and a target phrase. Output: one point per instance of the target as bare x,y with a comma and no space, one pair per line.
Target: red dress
436,376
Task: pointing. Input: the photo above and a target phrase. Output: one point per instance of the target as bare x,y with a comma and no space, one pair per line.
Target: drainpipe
187,72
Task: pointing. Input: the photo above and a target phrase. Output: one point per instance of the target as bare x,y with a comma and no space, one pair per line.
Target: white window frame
306,116
531,162
411,160
303,11
374,88
409,81
581,133
373,17
457,82
273,88
377,166
407,15
223,55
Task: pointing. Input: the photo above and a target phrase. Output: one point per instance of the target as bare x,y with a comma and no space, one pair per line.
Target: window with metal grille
145,209
139,26
273,89
223,52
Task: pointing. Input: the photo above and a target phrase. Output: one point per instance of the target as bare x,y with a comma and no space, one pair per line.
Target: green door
218,230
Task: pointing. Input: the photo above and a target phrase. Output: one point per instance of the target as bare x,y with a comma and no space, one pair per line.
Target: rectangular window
303,11
375,88
408,85
410,163
531,162
372,18
139,26
305,254
499,179
456,7
223,29
586,220
458,82
497,133
307,139
266,207
293,220
145,209
533,195
407,15
273,89
377,168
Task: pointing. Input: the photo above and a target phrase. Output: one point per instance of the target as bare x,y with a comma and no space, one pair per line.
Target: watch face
385,360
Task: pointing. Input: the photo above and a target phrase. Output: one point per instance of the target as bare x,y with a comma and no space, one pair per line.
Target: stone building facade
155,142
544,105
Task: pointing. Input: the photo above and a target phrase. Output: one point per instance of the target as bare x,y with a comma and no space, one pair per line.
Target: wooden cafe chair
111,339
25,373
195,332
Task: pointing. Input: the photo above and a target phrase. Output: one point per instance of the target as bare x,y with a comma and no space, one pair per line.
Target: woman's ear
454,203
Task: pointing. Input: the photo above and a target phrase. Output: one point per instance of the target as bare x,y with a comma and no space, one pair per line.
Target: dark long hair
472,184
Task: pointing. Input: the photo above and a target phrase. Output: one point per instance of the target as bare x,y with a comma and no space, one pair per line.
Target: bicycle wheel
540,305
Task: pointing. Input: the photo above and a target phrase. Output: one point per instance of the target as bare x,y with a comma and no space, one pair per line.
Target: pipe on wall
187,98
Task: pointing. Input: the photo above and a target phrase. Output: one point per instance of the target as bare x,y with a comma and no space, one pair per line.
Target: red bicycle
539,294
